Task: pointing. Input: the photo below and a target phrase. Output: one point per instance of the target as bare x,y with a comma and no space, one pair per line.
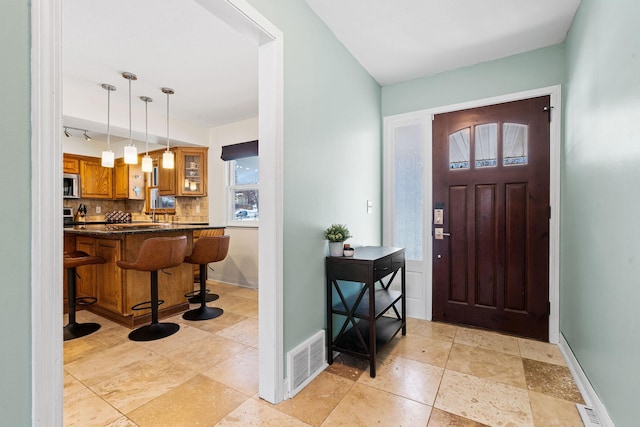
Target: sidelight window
408,199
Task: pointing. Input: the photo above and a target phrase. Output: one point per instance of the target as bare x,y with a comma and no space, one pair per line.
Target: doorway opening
46,145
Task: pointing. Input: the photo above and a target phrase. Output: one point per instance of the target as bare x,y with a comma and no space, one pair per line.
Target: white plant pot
336,248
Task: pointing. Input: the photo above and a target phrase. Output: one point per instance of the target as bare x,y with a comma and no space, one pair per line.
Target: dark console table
373,314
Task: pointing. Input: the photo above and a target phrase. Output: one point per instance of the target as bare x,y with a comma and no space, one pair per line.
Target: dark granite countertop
135,228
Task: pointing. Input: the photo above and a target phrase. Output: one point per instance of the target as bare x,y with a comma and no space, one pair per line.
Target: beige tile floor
207,375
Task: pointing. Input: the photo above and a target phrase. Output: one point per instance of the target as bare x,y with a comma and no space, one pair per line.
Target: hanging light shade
130,150
107,155
147,162
167,157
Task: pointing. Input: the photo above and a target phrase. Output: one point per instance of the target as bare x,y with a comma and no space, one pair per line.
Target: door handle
439,233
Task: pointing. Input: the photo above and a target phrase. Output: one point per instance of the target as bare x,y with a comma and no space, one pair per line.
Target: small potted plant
336,235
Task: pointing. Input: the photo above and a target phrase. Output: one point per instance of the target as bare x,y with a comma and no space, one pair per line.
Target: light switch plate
98,209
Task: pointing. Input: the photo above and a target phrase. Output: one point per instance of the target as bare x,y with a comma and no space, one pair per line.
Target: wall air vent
305,362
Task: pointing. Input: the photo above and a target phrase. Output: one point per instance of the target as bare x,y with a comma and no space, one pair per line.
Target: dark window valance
239,151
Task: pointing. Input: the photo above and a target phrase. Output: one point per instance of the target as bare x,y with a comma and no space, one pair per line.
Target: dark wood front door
491,250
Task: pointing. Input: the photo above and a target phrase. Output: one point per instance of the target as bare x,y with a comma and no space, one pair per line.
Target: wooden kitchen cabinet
166,177
70,164
96,181
109,275
191,171
189,176
128,181
86,274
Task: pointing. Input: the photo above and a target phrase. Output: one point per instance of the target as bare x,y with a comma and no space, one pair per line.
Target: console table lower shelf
349,342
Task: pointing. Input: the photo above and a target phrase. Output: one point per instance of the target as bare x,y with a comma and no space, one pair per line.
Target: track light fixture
68,134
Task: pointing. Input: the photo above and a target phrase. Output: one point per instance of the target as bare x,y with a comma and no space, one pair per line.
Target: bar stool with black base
70,262
156,253
206,250
194,297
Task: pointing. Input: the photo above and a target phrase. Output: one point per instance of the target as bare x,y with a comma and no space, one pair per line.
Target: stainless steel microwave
71,186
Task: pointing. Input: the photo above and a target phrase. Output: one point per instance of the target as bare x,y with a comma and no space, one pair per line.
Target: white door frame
46,184
425,117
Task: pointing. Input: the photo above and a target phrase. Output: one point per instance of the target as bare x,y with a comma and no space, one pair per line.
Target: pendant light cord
108,119
167,121
146,124
130,137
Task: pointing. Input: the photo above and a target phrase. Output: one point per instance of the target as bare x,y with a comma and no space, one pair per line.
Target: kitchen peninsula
117,290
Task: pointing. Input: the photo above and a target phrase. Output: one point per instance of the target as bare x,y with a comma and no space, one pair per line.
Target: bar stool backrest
158,253
209,249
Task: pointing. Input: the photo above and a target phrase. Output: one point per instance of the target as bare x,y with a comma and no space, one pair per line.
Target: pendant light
167,157
130,150
107,155
147,162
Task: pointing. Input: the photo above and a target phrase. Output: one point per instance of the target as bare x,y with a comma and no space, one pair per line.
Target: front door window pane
514,137
486,145
459,149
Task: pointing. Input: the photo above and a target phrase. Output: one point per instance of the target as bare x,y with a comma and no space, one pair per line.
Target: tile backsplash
188,209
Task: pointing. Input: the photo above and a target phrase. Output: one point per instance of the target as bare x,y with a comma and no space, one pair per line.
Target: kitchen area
137,205
129,90
174,186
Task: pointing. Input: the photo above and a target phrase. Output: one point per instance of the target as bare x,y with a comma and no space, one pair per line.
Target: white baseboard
228,281
588,393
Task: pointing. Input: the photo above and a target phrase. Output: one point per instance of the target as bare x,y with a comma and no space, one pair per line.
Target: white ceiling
166,43
398,40
214,70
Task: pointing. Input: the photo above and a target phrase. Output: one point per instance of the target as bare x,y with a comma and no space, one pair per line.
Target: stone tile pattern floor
207,375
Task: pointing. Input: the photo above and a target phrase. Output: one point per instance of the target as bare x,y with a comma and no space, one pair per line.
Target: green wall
600,228
530,70
15,221
332,157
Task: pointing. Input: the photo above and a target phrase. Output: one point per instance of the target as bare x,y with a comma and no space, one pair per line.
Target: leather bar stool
70,262
206,250
156,253
195,296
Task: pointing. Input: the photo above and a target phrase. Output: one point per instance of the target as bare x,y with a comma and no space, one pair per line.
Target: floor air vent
588,415
305,362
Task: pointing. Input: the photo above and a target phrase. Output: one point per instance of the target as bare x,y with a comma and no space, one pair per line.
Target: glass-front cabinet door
191,168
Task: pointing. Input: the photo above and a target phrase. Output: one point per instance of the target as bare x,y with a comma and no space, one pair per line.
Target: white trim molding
46,230
47,241
586,389
426,116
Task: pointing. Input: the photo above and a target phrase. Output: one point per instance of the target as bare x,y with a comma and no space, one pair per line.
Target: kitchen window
244,191
242,183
